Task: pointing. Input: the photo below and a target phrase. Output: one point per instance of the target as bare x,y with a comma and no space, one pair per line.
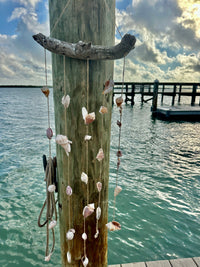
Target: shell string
119,141
68,163
59,18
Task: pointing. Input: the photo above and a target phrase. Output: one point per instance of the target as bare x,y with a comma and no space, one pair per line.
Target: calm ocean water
159,207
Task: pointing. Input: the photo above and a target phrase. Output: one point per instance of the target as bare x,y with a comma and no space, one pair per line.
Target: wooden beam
82,50
163,263
183,263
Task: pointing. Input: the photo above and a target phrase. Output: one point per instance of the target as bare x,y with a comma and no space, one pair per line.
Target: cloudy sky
167,48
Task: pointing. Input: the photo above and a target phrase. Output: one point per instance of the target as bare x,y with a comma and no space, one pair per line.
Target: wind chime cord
87,96
59,18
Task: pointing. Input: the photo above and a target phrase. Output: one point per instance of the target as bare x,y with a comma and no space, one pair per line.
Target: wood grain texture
188,262
93,21
136,264
163,263
82,50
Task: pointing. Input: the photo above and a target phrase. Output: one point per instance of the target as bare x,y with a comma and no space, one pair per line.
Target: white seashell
69,257
118,189
64,142
52,224
47,258
90,118
100,155
66,101
88,210
84,112
70,234
51,188
87,137
69,190
84,236
85,261
113,226
84,177
96,234
99,186
98,213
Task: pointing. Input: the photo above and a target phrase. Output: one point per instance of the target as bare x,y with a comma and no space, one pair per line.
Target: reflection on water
158,207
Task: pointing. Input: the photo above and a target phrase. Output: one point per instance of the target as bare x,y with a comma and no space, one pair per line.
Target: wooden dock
146,91
187,262
178,112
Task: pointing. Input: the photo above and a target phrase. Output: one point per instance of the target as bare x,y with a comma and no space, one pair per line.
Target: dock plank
188,262
197,260
136,264
162,263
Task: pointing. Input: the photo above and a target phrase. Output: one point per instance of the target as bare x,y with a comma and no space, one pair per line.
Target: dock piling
155,96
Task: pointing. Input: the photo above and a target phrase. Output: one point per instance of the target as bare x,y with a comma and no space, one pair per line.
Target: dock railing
146,90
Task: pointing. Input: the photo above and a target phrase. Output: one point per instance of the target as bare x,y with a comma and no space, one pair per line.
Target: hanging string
87,130
59,18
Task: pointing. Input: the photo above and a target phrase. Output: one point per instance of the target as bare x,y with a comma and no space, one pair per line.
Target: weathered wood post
155,97
174,95
132,94
163,90
81,74
179,94
194,91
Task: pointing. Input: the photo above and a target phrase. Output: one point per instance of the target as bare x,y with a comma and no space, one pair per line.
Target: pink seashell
100,155
70,234
98,213
69,257
45,91
99,186
117,190
119,101
85,261
119,153
87,137
69,190
47,258
113,226
49,133
84,177
88,118
96,234
88,210
108,87
51,188
52,224
84,236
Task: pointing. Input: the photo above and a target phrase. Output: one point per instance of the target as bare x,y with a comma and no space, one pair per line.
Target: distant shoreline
24,86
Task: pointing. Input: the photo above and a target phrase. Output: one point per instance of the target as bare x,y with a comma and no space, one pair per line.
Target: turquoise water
158,208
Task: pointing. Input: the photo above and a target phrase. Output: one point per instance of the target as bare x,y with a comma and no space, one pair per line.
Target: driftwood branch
83,50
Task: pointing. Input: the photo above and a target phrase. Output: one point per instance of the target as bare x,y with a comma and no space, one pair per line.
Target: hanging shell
119,123
87,137
88,118
118,163
84,236
69,257
119,153
88,210
45,91
69,190
96,234
64,142
98,213
48,257
51,188
85,261
119,101
70,234
99,186
66,101
108,86
103,110
49,133
117,190
100,155
84,177
52,224
113,226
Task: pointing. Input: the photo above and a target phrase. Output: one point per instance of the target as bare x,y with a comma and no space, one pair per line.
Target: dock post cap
156,81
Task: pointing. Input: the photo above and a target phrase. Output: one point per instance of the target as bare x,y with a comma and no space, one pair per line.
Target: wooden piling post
179,94
142,93
126,95
87,21
162,97
194,91
174,95
132,94
155,97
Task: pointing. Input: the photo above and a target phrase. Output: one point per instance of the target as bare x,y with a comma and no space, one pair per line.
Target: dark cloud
146,53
